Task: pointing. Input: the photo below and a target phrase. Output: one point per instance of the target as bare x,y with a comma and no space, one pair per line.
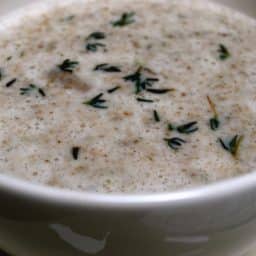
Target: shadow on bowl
2,253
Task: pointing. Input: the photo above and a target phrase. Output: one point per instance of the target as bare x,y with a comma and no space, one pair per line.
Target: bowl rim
63,197
217,191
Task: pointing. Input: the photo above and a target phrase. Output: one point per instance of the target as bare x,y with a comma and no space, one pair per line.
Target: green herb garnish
141,83
93,47
41,92
10,83
159,91
96,36
75,152
9,58
156,116
233,145
68,65
144,100
125,19
175,143
214,122
107,68
171,127
97,102
114,89
188,128
184,129
223,52
28,90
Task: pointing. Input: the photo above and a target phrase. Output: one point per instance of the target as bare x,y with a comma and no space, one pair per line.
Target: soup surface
127,96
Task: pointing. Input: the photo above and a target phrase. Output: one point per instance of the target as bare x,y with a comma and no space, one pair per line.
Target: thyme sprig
97,102
188,128
107,68
140,81
175,143
68,65
32,88
233,145
127,18
214,122
223,52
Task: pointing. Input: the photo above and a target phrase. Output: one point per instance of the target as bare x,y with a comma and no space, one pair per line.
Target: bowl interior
213,191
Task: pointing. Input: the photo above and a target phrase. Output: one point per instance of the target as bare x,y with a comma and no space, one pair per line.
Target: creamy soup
128,96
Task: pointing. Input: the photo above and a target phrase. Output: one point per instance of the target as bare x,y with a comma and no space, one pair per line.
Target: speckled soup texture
172,63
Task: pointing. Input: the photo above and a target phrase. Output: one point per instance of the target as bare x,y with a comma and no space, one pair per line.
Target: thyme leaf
75,152
97,102
175,143
96,36
188,128
114,89
233,145
214,122
223,52
93,47
28,90
185,128
171,127
159,91
124,20
41,92
156,116
144,100
68,65
10,83
107,68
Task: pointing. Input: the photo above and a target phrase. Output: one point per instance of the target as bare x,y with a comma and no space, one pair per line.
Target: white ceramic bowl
215,220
